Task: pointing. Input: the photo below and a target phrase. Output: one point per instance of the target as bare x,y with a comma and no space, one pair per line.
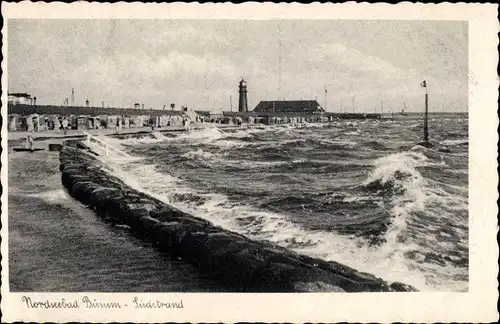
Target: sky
363,64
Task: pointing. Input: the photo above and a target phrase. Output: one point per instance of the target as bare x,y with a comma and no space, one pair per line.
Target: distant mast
326,102
426,126
279,61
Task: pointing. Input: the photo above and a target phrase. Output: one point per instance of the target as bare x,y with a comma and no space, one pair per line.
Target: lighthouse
243,104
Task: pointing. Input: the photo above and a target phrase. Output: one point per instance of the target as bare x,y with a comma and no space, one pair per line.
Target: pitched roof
19,94
288,106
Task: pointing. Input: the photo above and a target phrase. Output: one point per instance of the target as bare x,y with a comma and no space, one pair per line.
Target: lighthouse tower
243,106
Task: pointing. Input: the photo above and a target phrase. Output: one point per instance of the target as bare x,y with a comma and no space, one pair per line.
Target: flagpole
426,126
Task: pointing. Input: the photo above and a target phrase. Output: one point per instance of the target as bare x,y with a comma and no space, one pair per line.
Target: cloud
350,63
187,34
129,78
196,62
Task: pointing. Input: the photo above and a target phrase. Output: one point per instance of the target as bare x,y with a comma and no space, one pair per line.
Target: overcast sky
199,63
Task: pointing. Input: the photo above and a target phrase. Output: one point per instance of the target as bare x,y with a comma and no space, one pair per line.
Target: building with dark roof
295,106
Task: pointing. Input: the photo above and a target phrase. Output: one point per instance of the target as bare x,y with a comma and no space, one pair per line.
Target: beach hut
36,122
42,123
135,121
14,122
175,120
154,121
126,121
73,122
52,122
32,123
65,120
29,123
112,121
164,120
93,122
103,121
267,120
85,122
170,120
203,116
238,121
22,123
78,122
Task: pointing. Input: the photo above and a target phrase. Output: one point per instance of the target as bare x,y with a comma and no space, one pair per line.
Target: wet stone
316,286
82,190
100,198
398,286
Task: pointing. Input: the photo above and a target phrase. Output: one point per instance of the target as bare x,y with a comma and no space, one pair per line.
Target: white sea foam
347,144
458,171
218,159
198,154
52,196
202,135
400,171
156,137
229,144
450,142
386,168
387,261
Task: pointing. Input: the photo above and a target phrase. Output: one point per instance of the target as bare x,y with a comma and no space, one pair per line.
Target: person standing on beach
187,123
118,125
65,126
29,142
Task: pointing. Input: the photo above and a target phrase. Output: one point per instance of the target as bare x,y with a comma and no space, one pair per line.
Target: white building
20,99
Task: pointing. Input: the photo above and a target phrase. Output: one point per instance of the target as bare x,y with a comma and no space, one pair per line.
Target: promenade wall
230,257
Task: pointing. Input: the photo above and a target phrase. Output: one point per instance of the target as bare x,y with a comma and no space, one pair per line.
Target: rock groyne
233,258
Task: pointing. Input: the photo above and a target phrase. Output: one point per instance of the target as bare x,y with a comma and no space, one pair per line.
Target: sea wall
234,259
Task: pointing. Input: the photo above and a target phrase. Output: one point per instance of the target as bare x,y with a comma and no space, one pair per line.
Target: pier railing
91,139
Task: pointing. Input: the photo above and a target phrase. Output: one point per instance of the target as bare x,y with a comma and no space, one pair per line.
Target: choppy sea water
357,192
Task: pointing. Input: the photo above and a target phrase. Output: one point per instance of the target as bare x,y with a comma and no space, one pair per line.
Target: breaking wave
302,188
275,227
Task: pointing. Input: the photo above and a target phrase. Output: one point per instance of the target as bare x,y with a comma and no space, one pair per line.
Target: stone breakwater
232,258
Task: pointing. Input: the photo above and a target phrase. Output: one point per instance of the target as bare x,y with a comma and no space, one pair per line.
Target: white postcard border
477,305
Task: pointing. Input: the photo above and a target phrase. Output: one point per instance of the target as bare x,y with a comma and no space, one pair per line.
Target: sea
359,192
